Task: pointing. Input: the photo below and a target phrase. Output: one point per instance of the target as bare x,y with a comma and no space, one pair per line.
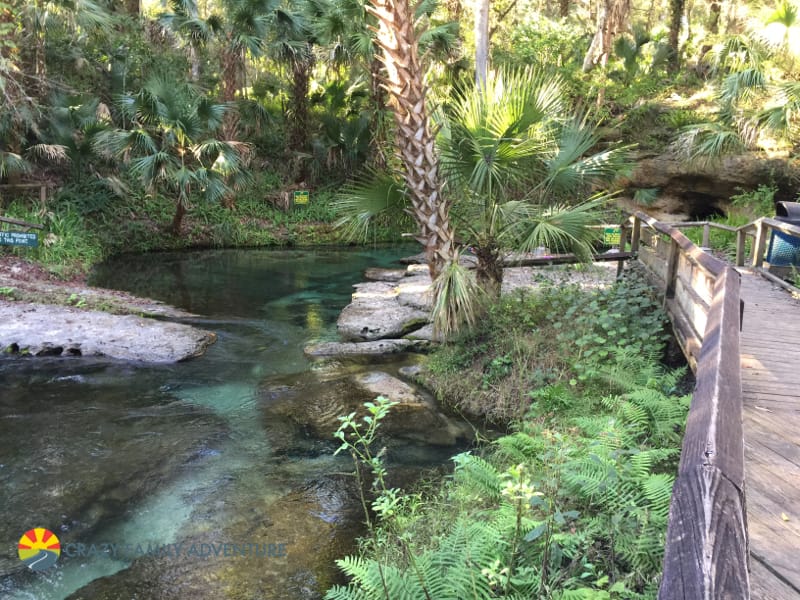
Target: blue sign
19,238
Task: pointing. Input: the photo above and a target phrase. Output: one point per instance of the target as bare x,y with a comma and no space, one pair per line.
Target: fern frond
478,474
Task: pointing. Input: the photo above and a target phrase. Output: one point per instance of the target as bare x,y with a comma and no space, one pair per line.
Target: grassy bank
572,502
86,223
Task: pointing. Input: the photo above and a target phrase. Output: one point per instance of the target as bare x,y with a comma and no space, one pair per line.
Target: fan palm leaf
362,204
561,228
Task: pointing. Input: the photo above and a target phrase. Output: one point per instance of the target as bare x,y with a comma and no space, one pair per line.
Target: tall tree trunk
177,219
230,71
714,12
677,8
377,127
563,8
415,141
231,63
301,77
612,19
481,42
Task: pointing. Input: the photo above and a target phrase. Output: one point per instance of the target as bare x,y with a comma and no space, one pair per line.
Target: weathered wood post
707,553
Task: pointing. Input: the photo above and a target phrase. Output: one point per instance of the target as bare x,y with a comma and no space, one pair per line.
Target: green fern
479,475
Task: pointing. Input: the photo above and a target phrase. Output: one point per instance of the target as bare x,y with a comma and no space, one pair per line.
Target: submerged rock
377,347
415,416
50,330
379,274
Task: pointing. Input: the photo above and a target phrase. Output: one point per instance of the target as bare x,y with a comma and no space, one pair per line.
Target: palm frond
361,204
458,300
706,142
12,164
561,228
53,153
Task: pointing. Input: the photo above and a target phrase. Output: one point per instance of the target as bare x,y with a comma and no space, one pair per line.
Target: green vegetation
745,208
129,108
573,502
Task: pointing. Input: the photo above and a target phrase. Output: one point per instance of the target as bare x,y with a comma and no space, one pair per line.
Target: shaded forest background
186,122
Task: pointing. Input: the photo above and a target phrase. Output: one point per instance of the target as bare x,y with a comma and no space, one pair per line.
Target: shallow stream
199,479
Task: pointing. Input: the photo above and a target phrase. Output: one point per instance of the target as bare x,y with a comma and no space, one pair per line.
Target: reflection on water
116,458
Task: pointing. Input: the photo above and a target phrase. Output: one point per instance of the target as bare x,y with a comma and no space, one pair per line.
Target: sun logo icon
39,548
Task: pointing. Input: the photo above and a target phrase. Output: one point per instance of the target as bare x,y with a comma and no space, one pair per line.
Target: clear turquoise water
201,452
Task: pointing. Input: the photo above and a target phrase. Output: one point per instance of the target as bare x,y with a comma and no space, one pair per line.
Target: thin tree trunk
177,219
677,8
481,42
713,17
377,128
563,8
612,19
415,141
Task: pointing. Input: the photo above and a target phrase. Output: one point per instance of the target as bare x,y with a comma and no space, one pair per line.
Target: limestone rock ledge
50,330
381,310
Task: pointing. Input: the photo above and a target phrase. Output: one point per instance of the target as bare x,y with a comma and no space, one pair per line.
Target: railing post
672,269
741,236
706,235
636,233
760,244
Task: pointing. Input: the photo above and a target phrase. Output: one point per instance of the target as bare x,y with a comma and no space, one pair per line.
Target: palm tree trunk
489,272
377,127
299,125
177,219
481,42
415,141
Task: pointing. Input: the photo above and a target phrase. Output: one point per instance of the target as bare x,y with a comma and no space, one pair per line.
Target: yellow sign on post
611,236
301,197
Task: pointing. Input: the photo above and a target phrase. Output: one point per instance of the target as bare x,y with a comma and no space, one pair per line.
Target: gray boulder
50,330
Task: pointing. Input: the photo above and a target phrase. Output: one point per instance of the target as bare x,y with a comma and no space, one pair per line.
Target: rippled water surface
198,479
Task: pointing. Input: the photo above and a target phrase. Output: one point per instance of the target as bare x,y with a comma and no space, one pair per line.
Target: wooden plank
771,544
21,223
766,585
692,306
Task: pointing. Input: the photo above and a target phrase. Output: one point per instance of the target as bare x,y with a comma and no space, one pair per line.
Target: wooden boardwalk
770,359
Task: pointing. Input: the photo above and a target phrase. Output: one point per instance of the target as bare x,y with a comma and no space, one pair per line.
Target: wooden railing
760,232
706,554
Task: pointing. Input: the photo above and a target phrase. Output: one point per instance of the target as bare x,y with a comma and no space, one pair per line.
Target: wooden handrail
20,223
706,555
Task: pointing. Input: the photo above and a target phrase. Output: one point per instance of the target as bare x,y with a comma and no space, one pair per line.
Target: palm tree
524,172
171,145
522,166
415,141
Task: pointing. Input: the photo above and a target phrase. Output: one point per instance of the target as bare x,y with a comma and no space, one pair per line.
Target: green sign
301,197
19,238
611,236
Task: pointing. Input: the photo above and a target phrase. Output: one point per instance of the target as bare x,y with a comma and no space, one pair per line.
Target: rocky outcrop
698,189
379,274
377,347
375,313
415,416
48,330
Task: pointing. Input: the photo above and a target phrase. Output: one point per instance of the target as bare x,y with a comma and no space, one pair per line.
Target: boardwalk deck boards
771,422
